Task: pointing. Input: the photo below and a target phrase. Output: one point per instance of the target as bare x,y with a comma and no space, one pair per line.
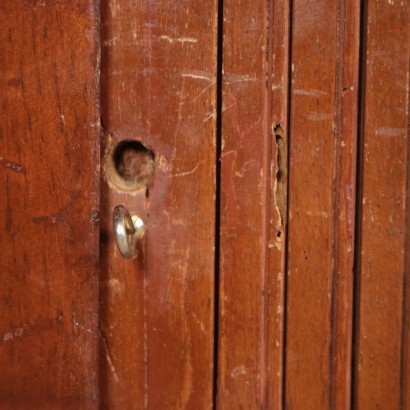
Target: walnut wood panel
49,155
253,204
159,87
324,89
382,345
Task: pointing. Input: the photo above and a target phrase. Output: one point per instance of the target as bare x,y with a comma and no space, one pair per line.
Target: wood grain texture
278,57
405,343
49,156
324,90
252,230
383,263
159,87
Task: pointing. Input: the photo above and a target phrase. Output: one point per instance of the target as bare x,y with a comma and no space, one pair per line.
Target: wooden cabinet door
313,273
80,326
49,204
265,146
158,87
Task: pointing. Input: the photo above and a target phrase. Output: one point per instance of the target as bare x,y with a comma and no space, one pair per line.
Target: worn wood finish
324,89
159,87
346,122
278,57
405,342
381,371
253,206
49,154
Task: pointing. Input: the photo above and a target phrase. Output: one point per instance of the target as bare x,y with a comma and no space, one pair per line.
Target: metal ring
127,229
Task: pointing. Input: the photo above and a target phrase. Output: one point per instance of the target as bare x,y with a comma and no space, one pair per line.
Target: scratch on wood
76,324
241,173
310,93
200,323
12,333
225,108
49,219
391,132
238,371
209,116
201,75
183,174
318,116
321,214
179,40
108,353
235,78
187,379
116,286
213,82
111,41
12,166
226,153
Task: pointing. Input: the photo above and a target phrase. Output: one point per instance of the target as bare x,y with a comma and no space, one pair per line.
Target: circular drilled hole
131,165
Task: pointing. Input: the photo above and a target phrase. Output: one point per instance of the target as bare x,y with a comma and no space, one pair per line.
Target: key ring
127,229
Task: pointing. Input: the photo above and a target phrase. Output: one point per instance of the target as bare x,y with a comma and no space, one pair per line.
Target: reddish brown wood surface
156,316
159,87
324,89
278,57
405,342
49,156
382,333
253,205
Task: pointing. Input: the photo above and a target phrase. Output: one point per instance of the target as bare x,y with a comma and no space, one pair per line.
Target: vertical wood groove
266,212
381,294
359,205
336,204
252,235
289,197
405,359
218,152
321,204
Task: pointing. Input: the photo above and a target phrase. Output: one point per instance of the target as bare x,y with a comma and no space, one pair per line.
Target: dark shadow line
359,207
286,228
218,144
